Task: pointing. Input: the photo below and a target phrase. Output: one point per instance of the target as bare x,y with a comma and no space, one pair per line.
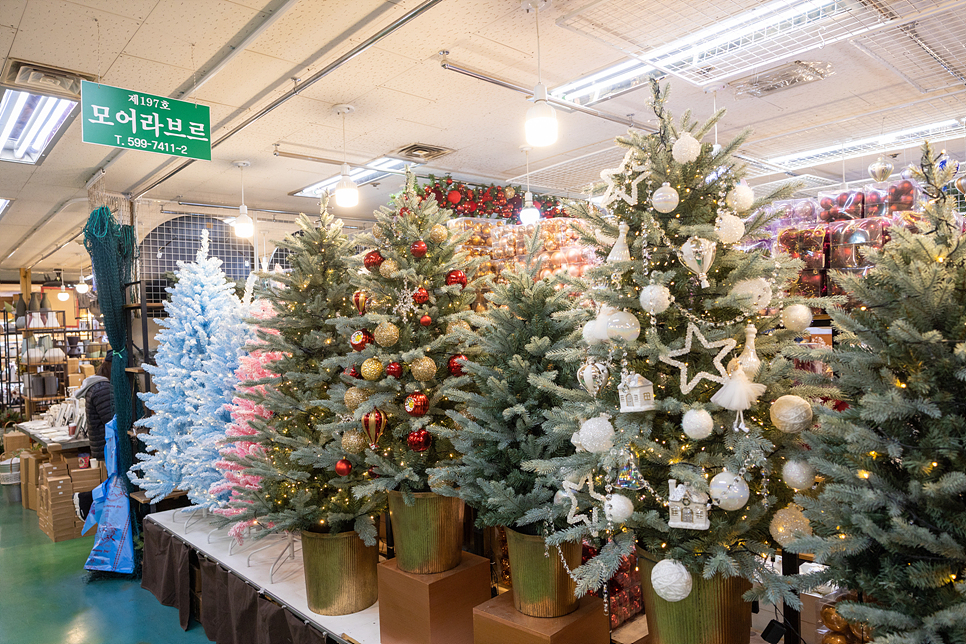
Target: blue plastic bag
111,510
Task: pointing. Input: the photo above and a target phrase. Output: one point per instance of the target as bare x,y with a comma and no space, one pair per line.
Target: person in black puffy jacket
99,396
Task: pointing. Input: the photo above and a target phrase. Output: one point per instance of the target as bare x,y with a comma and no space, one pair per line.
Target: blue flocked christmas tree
200,303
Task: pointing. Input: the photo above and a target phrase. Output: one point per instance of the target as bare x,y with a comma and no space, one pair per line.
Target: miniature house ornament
636,392
688,507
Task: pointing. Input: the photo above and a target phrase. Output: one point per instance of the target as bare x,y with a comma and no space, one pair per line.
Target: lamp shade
244,226
541,126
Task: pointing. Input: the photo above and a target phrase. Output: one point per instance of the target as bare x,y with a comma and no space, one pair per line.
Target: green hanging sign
124,118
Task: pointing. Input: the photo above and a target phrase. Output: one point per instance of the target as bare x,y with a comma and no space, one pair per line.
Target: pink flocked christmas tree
253,368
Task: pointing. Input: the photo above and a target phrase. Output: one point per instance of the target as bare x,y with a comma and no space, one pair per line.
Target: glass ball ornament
420,295
426,320
618,508
419,440
909,172
730,228
416,404
597,434
343,467
670,580
697,424
665,199
373,259
797,317
438,234
355,396
423,369
729,491
386,334
418,249
741,197
655,298
559,498
754,294
623,326
880,169
791,414
353,442
372,369
394,369
455,365
686,149
360,339
388,268
798,475
787,522
592,376
456,277
960,184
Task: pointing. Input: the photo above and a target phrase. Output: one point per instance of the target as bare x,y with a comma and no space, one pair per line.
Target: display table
288,588
43,433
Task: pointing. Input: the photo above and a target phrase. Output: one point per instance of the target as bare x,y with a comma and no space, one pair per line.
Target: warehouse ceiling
825,85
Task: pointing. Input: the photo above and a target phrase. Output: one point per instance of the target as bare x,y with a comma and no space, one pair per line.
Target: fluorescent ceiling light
608,83
360,175
940,131
4,204
28,124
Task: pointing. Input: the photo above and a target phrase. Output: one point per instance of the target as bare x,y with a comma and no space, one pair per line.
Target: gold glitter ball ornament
354,396
387,268
377,231
438,234
458,324
510,193
386,334
353,442
423,369
371,369
787,522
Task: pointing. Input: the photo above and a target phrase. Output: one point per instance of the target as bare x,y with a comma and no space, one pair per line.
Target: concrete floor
45,596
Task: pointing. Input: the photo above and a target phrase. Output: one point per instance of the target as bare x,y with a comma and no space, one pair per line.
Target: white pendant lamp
243,224
529,214
81,287
63,295
346,191
541,125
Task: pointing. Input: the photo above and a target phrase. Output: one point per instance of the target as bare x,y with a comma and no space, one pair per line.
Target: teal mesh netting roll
111,247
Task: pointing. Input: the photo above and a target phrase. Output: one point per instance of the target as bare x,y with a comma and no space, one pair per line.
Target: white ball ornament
741,197
787,522
559,498
730,229
618,508
623,326
755,293
791,414
665,199
655,298
728,491
686,149
798,475
697,424
797,317
670,580
597,434
590,333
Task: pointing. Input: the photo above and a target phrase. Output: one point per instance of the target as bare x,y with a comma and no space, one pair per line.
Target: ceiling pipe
292,93
215,205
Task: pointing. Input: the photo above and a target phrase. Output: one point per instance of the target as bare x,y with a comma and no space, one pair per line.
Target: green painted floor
45,596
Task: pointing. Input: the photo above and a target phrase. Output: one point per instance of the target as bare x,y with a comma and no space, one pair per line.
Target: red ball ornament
449,181
455,368
425,320
343,467
456,277
373,423
471,206
359,339
418,249
417,404
373,259
353,372
419,440
420,295
372,472
404,211
394,369
359,298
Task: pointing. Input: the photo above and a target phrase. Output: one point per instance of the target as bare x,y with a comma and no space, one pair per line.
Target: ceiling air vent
781,78
420,152
41,79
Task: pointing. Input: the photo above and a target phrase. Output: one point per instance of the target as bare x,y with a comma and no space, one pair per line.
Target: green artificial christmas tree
503,423
305,478
678,451
413,295
889,520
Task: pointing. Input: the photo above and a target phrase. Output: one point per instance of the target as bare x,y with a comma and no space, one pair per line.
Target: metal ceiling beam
292,93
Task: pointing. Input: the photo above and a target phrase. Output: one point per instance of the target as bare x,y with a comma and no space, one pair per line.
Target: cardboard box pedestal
431,609
498,622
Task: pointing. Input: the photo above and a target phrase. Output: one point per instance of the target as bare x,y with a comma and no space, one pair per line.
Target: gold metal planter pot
541,585
340,573
714,612
428,535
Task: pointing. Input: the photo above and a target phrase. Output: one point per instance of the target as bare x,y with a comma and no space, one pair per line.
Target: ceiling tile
359,75
13,177
7,35
243,78
148,76
136,9
11,12
75,33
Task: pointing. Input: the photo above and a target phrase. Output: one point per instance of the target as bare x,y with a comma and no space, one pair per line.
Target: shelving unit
11,386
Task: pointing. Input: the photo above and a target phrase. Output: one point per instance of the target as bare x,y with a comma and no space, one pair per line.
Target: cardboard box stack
74,374
30,463
55,511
